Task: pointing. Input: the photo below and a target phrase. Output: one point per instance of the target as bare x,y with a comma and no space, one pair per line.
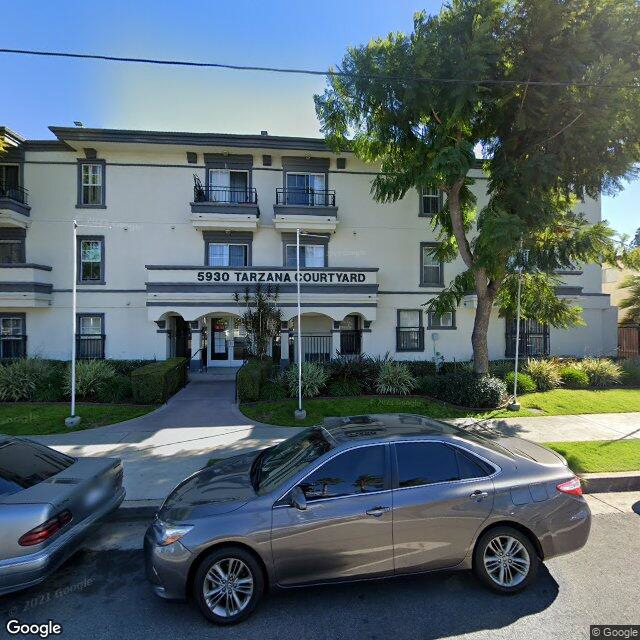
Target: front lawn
37,419
600,455
548,403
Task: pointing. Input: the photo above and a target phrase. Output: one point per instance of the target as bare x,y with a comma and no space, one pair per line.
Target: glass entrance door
227,342
218,341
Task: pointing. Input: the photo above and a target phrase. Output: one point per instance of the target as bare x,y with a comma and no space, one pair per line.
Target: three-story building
171,225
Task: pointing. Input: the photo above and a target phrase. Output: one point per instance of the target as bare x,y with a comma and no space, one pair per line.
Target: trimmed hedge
157,382
253,375
466,390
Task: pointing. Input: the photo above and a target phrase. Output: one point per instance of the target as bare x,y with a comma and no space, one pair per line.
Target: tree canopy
549,89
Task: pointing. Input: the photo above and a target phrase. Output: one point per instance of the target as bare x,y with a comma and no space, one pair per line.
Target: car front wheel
228,585
505,560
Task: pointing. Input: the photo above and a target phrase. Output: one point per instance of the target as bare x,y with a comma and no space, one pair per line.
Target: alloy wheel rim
507,561
228,587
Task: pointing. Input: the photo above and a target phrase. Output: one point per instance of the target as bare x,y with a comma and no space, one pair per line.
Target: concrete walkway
163,447
202,422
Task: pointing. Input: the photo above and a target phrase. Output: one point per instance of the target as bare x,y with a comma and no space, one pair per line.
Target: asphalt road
102,594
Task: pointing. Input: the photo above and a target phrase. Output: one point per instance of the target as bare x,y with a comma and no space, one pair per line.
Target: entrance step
218,374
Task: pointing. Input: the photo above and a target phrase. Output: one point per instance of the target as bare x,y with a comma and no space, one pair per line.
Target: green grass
600,455
36,419
550,403
572,401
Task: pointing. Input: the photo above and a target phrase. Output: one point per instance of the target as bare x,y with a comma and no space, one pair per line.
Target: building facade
171,225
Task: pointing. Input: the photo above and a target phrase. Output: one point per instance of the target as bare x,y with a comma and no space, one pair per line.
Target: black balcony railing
90,347
12,347
14,192
314,348
225,195
306,197
350,343
410,339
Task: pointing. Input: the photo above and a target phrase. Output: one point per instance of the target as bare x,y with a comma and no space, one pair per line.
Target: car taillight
46,529
572,487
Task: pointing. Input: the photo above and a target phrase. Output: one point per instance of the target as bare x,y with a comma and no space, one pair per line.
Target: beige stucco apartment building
172,224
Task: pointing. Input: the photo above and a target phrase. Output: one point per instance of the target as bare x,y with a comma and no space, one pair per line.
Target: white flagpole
299,413
73,420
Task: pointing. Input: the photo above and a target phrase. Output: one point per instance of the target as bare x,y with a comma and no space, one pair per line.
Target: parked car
48,501
364,497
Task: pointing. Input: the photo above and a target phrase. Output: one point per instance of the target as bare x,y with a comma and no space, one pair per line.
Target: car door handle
377,511
478,495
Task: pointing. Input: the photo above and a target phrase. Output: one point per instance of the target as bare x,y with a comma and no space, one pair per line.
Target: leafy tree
636,239
261,318
550,144
632,302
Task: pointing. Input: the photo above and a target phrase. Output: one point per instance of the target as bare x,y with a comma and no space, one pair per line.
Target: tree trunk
479,335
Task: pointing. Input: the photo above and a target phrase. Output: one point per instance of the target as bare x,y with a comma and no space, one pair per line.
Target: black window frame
81,204
401,328
15,236
82,340
80,240
423,282
437,325
422,195
387,472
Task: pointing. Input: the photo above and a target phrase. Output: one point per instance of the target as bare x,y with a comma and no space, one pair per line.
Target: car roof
388,426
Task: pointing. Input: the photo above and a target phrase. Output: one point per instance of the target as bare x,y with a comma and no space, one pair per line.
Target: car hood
220,488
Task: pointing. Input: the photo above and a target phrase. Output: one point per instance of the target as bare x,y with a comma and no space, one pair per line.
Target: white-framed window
228,185
11,327
446,320
311,255
306,188
430,202
92,184
91,260
409,332
222,254
90,325
431,268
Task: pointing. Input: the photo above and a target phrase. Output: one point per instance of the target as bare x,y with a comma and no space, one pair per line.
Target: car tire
228,585
505,560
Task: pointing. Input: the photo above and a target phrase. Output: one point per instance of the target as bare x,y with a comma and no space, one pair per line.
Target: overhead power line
308,72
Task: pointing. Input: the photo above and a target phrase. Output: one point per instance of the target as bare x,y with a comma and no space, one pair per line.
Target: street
102,593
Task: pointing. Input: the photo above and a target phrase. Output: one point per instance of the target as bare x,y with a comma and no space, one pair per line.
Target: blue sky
42,92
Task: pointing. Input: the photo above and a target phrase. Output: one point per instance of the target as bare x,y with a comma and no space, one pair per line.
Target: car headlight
168,533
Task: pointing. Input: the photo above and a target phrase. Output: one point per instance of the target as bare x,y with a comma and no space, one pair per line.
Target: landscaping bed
42,418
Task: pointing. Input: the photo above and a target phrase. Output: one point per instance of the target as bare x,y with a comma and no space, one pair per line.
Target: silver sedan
48,501
359,498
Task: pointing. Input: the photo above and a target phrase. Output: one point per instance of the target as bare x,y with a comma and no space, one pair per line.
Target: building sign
250,276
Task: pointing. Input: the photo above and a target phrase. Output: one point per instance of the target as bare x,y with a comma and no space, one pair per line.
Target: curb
610,482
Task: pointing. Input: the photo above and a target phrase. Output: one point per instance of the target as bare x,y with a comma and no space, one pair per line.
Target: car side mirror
297,498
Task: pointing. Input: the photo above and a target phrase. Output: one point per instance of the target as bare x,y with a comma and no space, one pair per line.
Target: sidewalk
202,421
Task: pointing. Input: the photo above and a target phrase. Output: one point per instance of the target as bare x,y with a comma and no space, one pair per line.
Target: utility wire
309,72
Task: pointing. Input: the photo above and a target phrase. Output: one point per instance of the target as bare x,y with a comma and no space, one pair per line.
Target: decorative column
196,344
161,340
284,344
367,347
335,339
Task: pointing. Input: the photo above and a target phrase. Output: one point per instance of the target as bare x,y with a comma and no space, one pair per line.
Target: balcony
25,285
305,208
14,205
224,208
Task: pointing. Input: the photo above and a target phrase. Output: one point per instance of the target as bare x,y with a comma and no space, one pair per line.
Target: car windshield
25,464
291,456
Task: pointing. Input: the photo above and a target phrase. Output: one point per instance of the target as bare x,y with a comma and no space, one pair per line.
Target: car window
357,471
291,456
470,466
23,465
422,463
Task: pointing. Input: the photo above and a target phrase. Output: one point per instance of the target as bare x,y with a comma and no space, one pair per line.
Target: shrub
574,377
427,385
126,367
50,386
631,372
421,368
91,375
341,388
157,382
119,389
314,378
525,382
602,372
251,377
273,390
544,373
500,368
18,380
395,378
455,366
467,390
